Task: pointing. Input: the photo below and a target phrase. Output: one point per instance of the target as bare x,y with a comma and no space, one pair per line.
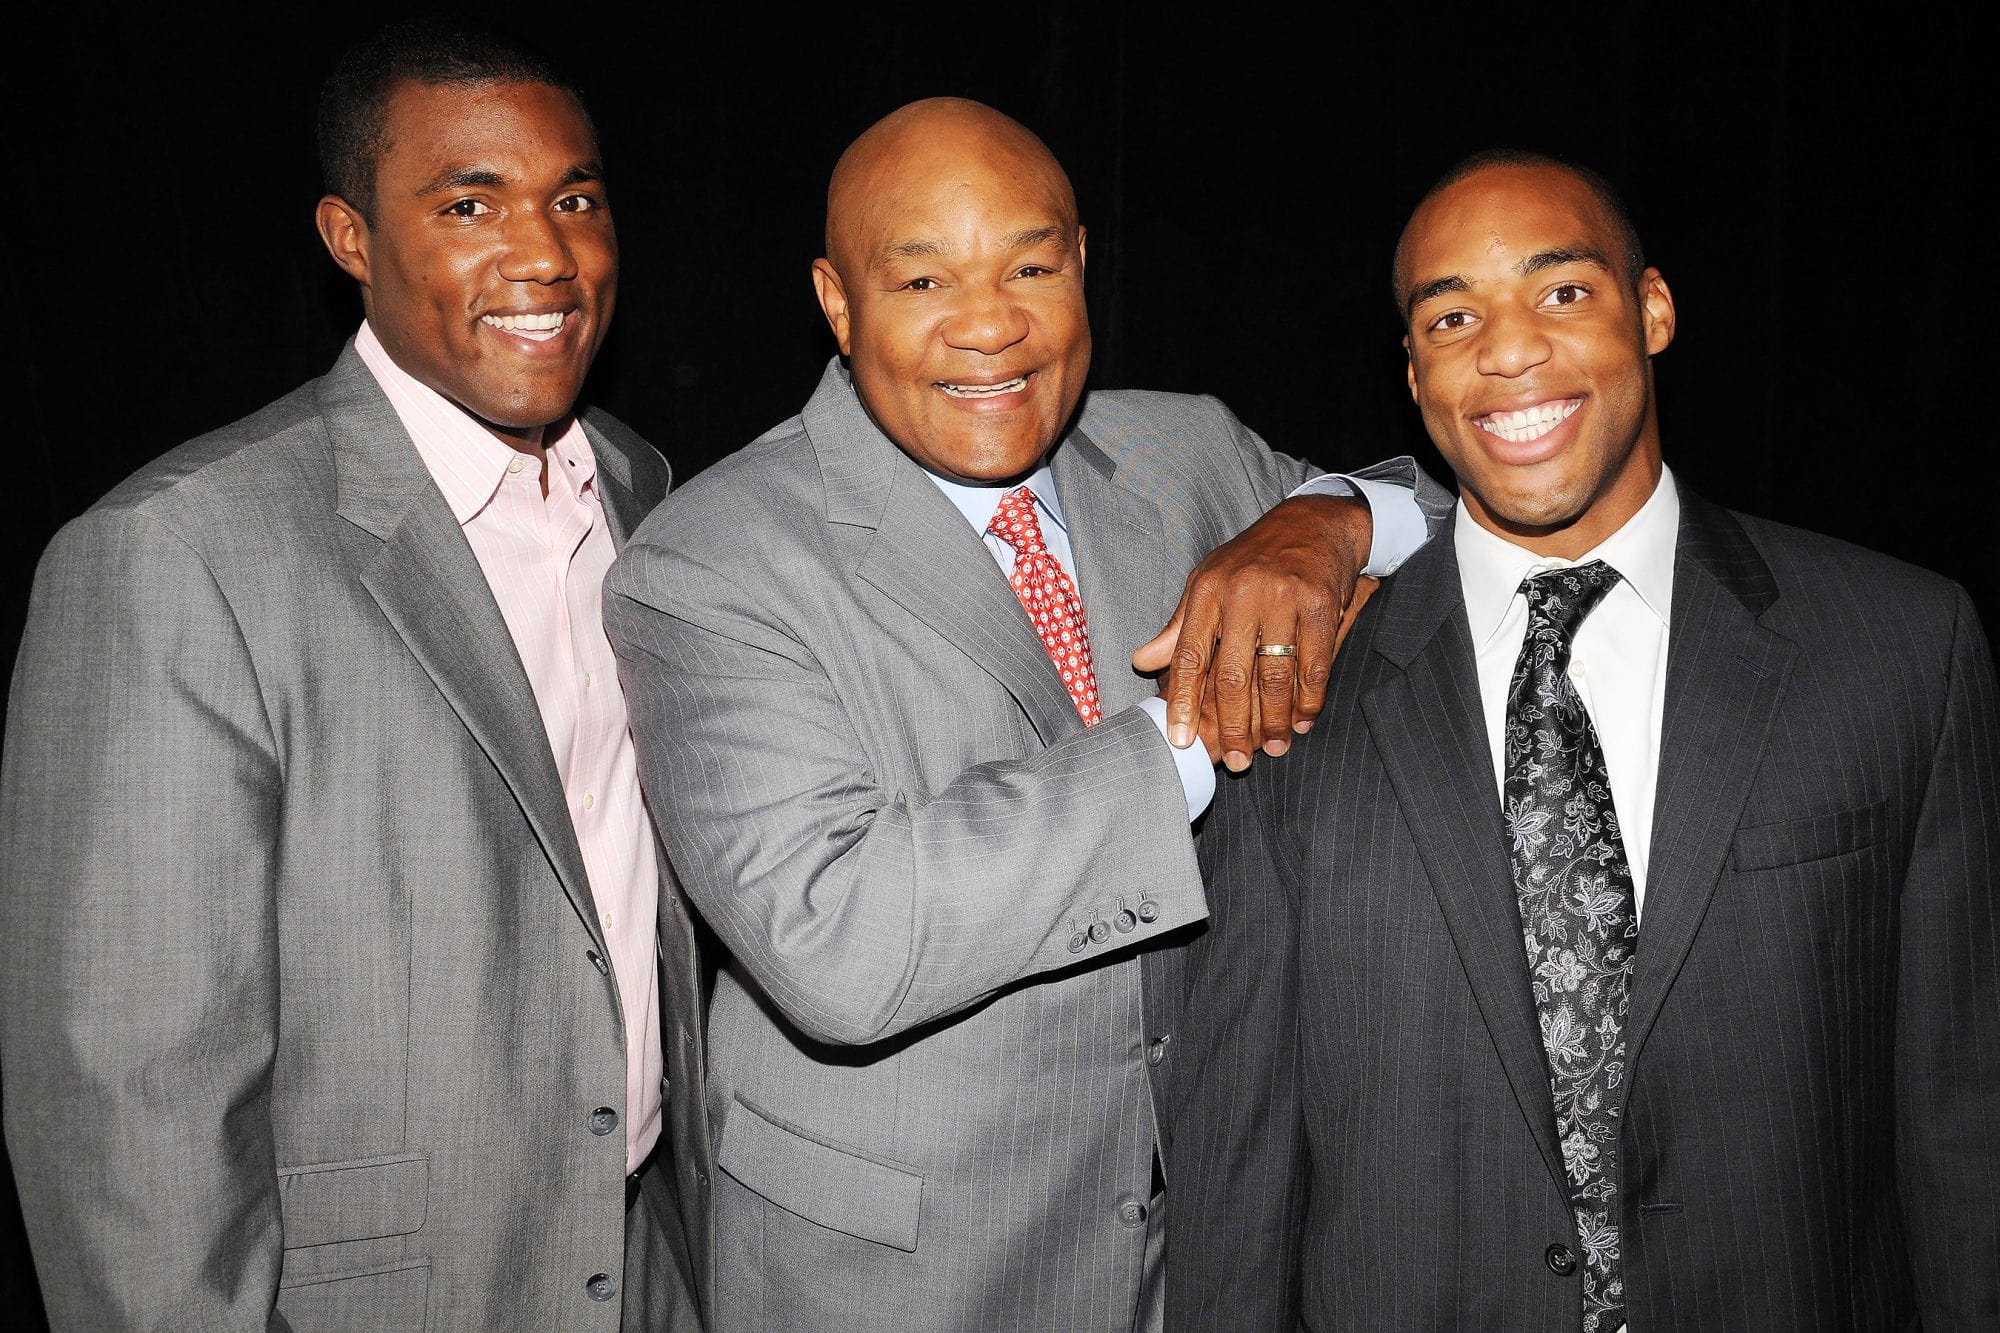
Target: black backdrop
1803,174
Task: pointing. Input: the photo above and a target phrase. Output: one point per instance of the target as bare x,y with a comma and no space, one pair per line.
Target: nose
1512,343
984,320
536,250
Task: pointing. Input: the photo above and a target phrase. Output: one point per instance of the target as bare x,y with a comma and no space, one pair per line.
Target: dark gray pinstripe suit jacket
1812,1124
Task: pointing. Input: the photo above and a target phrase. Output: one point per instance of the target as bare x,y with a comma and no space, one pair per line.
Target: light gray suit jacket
931,1052
305,1006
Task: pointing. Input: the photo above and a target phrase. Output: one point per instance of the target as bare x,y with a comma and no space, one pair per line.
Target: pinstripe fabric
931,1111
1815,1026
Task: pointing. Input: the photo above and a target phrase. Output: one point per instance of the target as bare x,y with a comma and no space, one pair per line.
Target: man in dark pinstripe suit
1795,1125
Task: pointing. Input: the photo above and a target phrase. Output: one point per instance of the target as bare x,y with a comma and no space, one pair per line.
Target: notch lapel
412,558
926,558
1118,542
1726,676
1428,727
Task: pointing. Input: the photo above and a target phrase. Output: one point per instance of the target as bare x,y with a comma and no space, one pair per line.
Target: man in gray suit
1652,974
333,996
935,818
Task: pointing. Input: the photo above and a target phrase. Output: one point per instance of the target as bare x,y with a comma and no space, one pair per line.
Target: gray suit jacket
1813,1084
304,1004
946,901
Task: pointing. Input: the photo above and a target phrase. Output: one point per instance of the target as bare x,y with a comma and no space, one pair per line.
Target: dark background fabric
1805,177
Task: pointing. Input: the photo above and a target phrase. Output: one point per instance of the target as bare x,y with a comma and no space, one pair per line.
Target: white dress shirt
1619,660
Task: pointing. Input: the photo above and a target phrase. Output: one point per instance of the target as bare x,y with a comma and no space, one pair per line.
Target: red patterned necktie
1049,597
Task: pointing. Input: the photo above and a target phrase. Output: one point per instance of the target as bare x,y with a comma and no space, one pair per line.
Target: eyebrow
1021,240
1534,263
459,178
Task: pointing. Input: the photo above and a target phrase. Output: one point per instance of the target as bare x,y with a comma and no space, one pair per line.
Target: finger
1318,634
1157,653
1210,732
1277,691
1233,677
1188,670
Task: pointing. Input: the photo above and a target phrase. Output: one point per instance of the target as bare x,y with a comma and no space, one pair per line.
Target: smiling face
1529,354
490,267
954,287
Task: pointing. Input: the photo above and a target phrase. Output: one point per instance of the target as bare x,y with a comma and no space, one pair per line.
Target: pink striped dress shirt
545,562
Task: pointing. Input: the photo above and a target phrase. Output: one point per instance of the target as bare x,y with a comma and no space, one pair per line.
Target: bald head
921,145
953,283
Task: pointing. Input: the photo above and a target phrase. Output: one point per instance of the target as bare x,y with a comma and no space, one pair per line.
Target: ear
1658,311
832,300
1082,260
1410,368
345,234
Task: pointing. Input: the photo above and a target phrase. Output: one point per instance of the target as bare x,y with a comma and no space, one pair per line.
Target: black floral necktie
1577,913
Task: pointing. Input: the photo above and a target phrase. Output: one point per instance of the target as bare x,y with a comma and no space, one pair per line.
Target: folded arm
863,901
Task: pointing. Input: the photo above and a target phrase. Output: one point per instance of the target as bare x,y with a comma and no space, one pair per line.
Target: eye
578,203
1451,321
920,285
1033,271
1569,293
466,208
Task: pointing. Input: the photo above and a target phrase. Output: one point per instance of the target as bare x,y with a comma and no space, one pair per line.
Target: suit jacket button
1099,932
1124,921
1148,910
601,1286
1561,1259
1132,1213
1158,1050
603,1120
597,961
1078,941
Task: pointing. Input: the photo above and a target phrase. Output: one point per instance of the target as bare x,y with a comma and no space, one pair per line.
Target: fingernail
1236,761
1181,734
1276,747
1302,727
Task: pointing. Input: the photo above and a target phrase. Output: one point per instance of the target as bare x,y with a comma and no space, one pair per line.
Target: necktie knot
1017,524
1559,599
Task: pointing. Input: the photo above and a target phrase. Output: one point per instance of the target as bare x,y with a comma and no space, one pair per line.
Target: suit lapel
1726,676
1122,565
1431,735
622,511
926,558
413,559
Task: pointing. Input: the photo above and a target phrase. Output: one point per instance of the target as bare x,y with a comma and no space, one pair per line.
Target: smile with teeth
984,390
535,328
1530,423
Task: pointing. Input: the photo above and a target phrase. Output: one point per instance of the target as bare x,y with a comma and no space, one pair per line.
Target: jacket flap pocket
1796,841
335,1201
835,1187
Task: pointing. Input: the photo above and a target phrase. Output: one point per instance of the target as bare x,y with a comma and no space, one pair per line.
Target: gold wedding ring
1278,650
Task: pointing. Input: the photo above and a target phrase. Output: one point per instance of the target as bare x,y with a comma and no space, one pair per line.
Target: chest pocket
1815,838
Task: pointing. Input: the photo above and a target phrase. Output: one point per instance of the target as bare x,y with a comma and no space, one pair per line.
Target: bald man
879,671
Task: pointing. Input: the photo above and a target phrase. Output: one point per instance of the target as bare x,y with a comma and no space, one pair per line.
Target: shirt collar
463,457
980,503
1490,568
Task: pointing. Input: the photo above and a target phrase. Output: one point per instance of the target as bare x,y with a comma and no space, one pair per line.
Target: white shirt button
588,800
516,463
607,920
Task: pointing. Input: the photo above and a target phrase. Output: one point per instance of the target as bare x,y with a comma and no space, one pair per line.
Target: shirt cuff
1197,773
1399,520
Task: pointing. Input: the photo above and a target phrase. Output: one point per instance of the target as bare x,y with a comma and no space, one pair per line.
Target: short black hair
1600,188
435,50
